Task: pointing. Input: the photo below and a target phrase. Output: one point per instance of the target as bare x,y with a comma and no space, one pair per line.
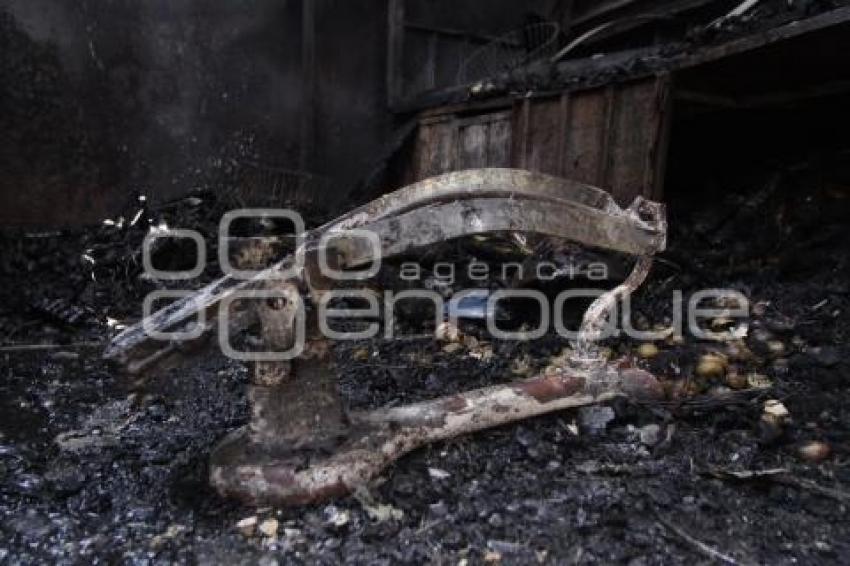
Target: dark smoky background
105,99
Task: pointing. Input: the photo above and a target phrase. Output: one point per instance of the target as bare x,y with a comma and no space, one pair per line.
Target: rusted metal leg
295,403
303,410
296,410
292,425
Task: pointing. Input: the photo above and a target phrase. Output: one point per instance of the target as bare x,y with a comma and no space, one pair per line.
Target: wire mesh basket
511,51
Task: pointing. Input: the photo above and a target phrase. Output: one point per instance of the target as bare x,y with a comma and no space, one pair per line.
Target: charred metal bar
441,222
257,475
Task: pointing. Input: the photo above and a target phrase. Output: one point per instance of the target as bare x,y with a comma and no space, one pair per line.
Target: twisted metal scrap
297,448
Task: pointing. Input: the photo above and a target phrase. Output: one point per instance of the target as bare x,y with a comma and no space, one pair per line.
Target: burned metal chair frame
301,445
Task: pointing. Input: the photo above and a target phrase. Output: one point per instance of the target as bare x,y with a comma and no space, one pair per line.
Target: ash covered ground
91,471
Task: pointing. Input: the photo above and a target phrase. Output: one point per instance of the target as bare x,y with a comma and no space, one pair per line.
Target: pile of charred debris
740,460
735,451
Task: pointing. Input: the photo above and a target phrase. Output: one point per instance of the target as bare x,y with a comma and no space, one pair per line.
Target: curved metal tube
448,206
442,222
587,354
474,183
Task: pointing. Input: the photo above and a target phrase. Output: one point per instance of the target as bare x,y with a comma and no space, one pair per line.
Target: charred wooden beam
395,51
591,72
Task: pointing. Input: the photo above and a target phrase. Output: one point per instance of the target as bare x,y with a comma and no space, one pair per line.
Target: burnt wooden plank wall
449,142
613,137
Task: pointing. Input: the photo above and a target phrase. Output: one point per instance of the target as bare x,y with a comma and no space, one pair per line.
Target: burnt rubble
444,443
130,482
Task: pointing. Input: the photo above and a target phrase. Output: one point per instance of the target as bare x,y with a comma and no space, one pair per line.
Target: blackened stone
65,478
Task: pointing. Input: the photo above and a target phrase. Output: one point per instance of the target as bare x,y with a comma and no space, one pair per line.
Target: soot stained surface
90,471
